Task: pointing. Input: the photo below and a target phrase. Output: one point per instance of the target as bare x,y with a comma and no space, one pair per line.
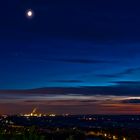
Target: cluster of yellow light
109,136
52,115
33,113
105,135
114,138
26,115
38,115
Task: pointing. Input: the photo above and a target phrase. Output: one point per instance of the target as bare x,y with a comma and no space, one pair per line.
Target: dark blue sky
68,43
71,44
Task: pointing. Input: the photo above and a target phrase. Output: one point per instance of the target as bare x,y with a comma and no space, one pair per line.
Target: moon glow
29,13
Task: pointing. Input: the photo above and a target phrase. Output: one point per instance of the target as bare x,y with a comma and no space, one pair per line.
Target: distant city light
105,135
52,115
114,138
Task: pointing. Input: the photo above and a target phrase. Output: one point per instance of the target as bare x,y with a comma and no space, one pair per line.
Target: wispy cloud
77,100
120,74
130,84
116,88
67,81
86,61
131,101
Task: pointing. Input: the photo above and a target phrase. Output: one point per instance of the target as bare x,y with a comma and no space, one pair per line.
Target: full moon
29,13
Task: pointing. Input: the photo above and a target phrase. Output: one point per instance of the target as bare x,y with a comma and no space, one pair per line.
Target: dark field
78,127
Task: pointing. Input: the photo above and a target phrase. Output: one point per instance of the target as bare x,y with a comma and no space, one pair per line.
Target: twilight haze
72,56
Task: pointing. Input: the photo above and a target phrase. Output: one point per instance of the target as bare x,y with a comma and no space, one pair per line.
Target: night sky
71,56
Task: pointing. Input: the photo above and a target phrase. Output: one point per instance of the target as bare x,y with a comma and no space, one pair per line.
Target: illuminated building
33,113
